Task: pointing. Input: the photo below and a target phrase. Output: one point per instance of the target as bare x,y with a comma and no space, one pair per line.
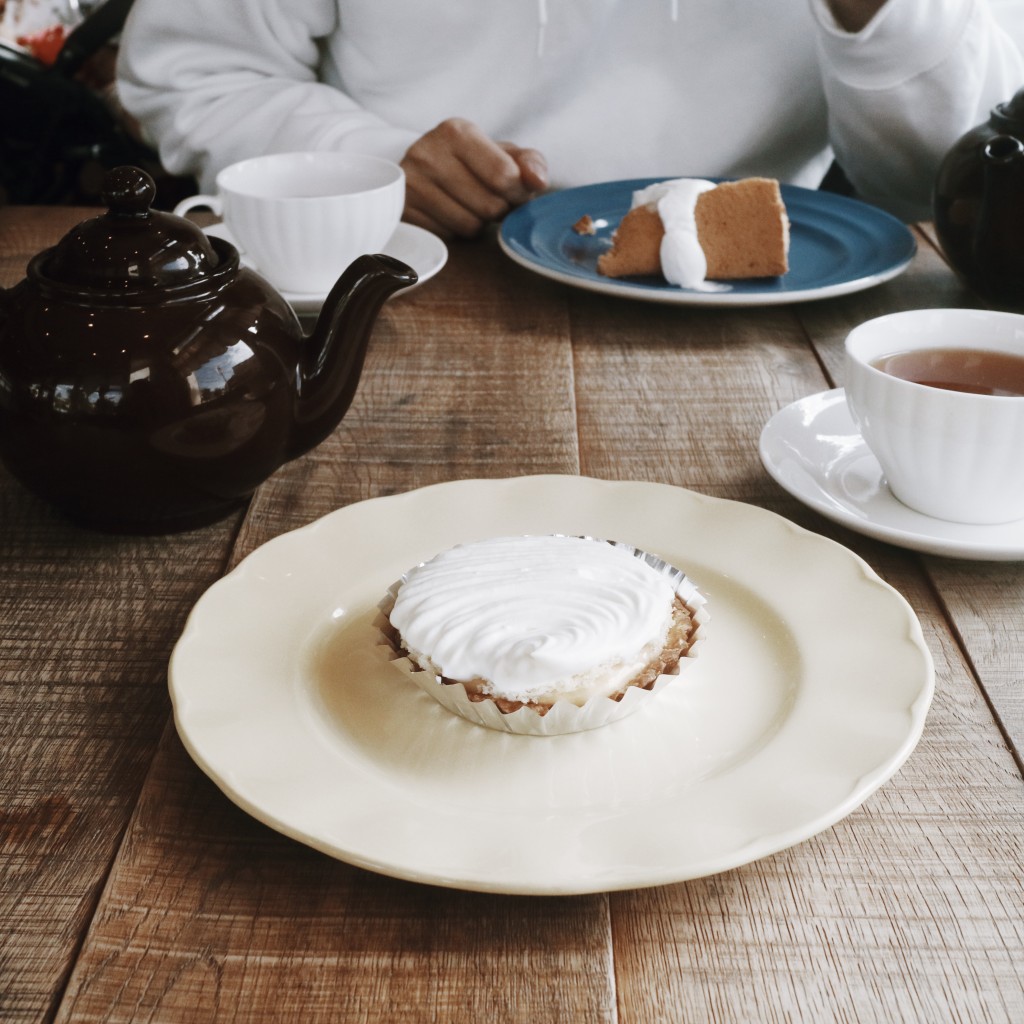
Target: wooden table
131,889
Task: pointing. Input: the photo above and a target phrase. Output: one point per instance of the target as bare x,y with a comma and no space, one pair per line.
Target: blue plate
837,245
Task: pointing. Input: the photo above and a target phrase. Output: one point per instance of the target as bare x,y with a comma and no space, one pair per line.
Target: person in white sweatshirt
488,102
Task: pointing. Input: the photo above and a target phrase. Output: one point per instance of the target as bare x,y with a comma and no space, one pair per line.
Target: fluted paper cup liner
563,716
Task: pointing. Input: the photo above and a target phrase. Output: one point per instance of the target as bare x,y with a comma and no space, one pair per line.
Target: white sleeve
212,83
901,91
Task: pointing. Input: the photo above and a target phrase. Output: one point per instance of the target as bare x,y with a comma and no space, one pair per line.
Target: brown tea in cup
975,371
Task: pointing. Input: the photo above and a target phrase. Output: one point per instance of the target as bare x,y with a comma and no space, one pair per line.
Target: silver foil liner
563,716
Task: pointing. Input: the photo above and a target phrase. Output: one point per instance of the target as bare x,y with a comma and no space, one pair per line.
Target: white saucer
813,450
421,249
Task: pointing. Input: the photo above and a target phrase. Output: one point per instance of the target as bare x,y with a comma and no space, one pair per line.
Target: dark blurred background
61,126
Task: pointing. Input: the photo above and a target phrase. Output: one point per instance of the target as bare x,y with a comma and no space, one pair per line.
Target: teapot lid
132,247
1009,116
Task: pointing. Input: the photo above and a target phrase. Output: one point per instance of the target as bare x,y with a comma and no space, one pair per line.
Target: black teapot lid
132,247
1009,116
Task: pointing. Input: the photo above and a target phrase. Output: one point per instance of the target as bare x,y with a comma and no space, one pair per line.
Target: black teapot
150,383
978,205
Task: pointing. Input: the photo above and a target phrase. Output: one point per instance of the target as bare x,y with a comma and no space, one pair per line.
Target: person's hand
457,179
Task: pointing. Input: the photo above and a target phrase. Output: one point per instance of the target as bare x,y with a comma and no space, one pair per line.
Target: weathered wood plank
679,395
210,915
83,701
126,875
982,599
910,909
87,622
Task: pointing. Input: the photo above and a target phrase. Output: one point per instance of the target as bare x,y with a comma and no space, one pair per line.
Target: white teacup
950,454
302,218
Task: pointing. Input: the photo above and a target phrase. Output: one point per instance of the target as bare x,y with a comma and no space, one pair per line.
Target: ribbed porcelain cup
949,454
302,218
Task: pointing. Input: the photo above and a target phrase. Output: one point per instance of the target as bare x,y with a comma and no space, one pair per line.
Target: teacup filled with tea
938,395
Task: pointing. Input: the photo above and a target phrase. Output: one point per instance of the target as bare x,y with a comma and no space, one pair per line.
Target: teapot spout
332,358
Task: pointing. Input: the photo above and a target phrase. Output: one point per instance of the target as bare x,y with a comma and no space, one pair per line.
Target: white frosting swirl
536,618
682,259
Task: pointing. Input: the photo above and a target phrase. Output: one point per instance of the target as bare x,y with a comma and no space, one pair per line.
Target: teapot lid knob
128,192
1009,116
133,248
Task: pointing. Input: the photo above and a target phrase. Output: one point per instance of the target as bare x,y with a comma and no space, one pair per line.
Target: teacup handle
213,202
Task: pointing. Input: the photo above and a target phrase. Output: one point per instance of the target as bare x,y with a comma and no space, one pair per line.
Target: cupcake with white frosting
543,634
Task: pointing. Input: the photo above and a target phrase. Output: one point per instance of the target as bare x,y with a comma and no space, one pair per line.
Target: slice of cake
691,230
533,621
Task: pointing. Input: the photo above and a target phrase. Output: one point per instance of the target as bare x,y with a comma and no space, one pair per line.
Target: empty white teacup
302,218
953,454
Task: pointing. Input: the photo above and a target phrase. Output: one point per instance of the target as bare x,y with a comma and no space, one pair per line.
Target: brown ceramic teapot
979,205
149,383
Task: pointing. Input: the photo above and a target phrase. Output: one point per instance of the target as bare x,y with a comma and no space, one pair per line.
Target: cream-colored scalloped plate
810,691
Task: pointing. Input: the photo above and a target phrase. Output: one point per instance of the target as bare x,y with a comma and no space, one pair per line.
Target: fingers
457,179
533,168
